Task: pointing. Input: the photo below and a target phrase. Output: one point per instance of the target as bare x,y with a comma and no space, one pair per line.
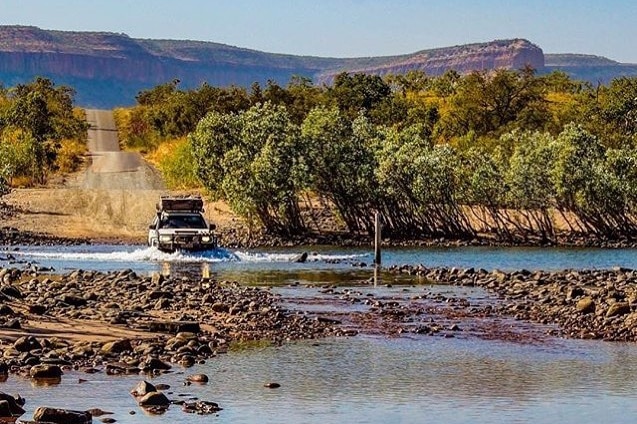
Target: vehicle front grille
186,239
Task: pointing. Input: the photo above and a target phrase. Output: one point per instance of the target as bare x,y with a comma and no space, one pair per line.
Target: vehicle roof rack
190,203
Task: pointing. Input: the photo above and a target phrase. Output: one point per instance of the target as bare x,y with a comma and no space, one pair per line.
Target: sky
349,28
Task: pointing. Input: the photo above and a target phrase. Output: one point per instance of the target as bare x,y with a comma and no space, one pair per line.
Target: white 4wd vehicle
180,225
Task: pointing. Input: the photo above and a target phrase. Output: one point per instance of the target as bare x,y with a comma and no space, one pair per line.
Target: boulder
13,405
6,311
11,291
45,371
116,347
61,416
27,344
5,410
618,308
73,300
302,258
585,305
37,309
142,389
156,364
197,378
154,399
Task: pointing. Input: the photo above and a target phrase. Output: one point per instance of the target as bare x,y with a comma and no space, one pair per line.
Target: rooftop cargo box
180,203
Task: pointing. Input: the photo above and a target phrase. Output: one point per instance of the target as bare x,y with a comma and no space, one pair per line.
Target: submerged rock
154,399
61,416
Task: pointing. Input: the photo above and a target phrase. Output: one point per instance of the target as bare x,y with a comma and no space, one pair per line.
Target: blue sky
349,28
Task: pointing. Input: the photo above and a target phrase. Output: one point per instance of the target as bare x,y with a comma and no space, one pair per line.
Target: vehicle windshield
183,221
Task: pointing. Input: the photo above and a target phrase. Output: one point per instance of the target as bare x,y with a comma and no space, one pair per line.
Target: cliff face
109,69
507,54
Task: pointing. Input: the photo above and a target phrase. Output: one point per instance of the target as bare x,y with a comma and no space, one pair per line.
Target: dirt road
112,199
111,168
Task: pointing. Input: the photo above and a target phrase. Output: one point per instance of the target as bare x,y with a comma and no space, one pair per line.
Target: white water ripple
152,254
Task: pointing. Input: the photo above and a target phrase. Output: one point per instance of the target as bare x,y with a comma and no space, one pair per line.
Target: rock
272,385
154,399
11,291
302,258
220,307
198,378
142,389
6,311
156,364
73,300
37,309
116,347
585,305
574,292
13,324
156,278
27,344
201,407
44,371
61,416
174,326
13,404
5,410
618,308
97,412
4,368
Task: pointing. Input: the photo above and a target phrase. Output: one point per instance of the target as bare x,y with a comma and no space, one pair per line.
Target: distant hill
109,69
594,69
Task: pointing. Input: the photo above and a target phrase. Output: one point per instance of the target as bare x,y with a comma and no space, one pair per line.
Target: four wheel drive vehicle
180,225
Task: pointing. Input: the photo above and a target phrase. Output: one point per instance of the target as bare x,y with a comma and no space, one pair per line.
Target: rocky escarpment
507,54
108,69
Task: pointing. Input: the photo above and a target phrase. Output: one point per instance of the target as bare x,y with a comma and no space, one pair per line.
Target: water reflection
378,380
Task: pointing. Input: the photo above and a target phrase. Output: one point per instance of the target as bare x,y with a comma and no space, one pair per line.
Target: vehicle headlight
205,239
165,238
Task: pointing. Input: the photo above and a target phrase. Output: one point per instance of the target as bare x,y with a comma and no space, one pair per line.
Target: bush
176,163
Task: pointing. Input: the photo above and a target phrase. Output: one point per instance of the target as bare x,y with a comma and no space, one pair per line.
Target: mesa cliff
109,69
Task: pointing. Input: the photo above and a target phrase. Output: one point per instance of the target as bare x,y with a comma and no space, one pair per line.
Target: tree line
518,154
40,132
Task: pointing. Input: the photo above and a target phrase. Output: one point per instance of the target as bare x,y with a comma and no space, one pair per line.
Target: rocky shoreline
584,304
166,322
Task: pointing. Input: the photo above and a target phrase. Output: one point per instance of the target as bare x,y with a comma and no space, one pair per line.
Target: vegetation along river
371,377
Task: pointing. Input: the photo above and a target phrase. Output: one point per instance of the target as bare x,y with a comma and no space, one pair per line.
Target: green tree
341,164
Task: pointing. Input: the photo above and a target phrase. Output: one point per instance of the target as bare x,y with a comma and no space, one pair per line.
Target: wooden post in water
377,254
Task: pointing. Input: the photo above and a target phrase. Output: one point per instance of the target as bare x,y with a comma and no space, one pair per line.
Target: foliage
174,159
36,121
452,155
251,160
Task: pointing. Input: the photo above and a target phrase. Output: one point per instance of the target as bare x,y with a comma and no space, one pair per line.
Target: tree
356,93
252,160
493,103
214,137
528,179
45,113
341,164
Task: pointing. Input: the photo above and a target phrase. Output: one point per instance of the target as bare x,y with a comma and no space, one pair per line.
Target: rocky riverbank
586,304
123,323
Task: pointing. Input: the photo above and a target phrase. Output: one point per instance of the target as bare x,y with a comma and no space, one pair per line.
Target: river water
366,379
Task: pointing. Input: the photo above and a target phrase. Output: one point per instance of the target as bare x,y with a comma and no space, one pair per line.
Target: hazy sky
349,28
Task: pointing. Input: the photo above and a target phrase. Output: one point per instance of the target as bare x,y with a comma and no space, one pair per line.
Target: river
366,378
